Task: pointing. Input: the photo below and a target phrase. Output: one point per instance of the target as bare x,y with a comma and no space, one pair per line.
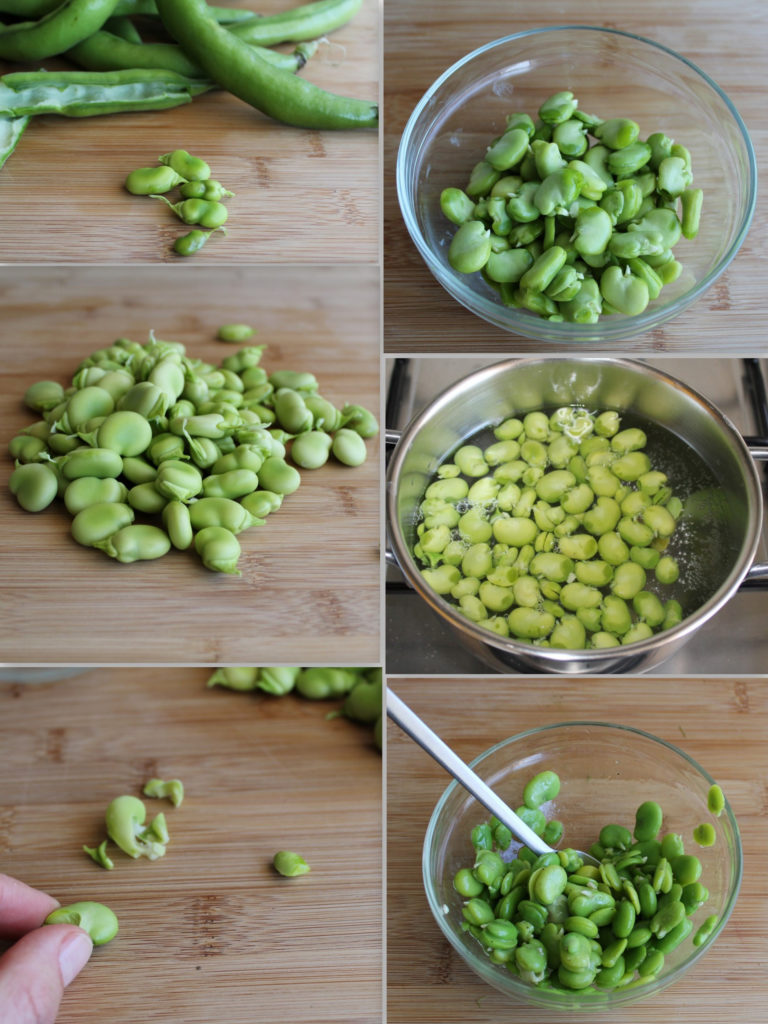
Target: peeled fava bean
277,475
580,926
85,491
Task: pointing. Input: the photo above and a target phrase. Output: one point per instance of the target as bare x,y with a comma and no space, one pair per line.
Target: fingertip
22,908
74,953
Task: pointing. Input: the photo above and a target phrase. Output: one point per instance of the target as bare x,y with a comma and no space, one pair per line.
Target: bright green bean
171,789
177,523
290,864
99,521
125,821
95,918
715,800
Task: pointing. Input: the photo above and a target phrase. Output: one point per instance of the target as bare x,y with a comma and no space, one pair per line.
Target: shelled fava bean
147,431
557,922
568,229
555,533
201,201
359,688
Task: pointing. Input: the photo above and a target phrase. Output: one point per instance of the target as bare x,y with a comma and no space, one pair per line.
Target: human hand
36,969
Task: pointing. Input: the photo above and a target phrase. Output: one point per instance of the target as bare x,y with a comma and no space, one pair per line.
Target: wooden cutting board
309,585
209,932
301,195
728,42
720,723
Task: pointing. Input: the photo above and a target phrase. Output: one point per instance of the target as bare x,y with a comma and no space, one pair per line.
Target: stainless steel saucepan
719,533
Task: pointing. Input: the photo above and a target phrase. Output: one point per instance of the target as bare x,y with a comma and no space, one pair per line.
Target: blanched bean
553,528
575,925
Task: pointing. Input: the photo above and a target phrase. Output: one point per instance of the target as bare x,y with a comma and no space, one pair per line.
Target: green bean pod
309,21
92,93
55,32
105,50
11,130
230,62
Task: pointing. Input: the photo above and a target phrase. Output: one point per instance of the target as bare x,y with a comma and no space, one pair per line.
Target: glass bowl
606,772
613,74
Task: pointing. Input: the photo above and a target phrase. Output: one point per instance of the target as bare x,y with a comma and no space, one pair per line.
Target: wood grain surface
209,932
721,723
728,42
301,195
309,590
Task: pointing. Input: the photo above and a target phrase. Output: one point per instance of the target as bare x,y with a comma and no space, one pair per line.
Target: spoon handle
429,741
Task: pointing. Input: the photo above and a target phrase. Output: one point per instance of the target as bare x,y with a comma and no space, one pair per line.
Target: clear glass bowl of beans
656,816
533,264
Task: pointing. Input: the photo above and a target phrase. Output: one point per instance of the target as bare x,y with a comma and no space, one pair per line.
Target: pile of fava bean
556,533
558,922
571,230
198,451
150,55
201,199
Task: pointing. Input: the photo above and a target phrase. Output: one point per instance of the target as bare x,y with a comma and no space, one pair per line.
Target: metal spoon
429,741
